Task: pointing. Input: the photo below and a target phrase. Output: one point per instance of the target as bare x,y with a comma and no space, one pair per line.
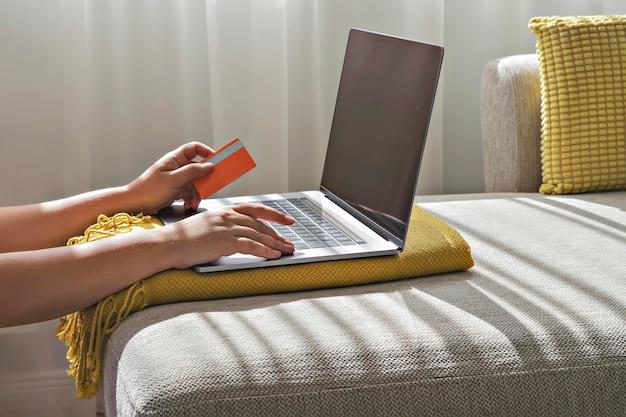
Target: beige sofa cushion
536,328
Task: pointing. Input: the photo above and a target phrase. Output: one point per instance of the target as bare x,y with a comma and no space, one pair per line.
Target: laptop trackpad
237,259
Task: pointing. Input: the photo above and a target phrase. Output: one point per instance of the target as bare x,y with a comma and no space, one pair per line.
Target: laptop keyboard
311,229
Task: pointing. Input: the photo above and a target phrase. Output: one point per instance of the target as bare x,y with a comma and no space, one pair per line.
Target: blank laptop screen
381,118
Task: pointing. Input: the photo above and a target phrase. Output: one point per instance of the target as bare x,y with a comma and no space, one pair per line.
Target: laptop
378,132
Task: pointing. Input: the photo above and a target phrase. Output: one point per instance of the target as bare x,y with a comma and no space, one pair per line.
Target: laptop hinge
363,218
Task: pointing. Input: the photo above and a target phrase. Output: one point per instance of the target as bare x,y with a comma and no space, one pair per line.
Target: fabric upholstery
537,327
511,124
583,83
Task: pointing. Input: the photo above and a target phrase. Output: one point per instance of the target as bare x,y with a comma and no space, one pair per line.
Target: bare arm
47,283
50,224
44,284
41,278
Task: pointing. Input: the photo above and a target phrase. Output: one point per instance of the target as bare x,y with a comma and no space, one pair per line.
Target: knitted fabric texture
583,109
432,247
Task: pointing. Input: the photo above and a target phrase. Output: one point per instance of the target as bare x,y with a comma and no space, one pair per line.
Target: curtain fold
92,92
100,89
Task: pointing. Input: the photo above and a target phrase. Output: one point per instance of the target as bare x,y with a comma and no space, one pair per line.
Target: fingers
255,237
252,228
263,233
192,171
183,163
189,170
190,196
260,211
262,236
235,229
193,150
265,245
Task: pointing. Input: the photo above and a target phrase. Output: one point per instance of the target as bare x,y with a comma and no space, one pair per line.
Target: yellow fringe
109,226
84,344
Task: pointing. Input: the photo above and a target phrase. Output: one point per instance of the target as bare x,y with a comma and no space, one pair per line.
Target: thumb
192,171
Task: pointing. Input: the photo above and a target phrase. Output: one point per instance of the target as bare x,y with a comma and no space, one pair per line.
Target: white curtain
93,91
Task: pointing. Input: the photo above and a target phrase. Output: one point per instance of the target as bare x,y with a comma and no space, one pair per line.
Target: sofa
536,328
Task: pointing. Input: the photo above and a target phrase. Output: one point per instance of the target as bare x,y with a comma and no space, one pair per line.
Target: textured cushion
536,328
583,86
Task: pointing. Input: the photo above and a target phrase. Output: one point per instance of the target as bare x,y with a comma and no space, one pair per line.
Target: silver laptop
384,103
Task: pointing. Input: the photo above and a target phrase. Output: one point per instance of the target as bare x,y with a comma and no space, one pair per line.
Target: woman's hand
208,235
170,178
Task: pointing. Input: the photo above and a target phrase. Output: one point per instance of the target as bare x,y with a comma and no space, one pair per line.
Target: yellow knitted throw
432,247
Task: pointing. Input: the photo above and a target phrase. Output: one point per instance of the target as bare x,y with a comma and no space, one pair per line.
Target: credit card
231,162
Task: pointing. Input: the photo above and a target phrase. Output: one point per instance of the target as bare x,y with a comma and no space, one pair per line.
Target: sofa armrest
511,124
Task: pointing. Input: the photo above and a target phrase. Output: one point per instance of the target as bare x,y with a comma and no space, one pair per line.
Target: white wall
33,375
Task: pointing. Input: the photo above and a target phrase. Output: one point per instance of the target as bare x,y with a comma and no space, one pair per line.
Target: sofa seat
536,327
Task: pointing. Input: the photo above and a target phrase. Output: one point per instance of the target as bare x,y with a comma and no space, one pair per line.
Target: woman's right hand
209,235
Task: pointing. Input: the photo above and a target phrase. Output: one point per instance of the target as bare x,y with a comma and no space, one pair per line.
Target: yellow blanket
432,247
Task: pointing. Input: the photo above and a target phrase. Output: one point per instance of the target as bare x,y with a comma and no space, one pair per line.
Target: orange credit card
231,162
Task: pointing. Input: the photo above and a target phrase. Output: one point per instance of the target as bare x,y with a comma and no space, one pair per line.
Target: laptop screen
379,127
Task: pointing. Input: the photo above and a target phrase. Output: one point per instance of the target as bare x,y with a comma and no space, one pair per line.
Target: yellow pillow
582,63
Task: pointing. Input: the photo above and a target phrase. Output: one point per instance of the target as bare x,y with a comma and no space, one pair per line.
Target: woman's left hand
170,179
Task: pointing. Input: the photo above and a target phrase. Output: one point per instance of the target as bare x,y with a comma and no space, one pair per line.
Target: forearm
50,224
44,284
